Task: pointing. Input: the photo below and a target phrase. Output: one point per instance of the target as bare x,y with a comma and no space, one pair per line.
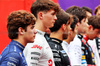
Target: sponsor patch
10,64
35,53
13,59
35,58
37,46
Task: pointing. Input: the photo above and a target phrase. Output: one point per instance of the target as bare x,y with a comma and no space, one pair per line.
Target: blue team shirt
12,55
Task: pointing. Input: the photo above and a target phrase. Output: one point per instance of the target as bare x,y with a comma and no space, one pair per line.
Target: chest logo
37,46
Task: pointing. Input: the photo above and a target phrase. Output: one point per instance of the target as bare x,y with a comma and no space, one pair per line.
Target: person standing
92,32
97,12
81,27
92,43
20,25
71,34
58,32
39,53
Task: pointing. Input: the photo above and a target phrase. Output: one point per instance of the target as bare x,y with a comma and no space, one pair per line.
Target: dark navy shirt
12,55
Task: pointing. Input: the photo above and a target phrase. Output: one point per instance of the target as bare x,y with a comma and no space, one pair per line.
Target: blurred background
7,6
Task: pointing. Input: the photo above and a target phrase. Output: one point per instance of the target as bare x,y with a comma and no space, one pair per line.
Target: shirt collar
20,46
40,32
80,36
64,42
56,40
85,37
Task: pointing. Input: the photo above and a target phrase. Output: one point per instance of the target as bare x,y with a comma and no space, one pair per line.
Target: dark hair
62,18
96,9
79,12
94,21
75,21
44,5
87,9
18,19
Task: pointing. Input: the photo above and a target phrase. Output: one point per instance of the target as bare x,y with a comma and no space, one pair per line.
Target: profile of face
66,31
88,14
93,33
49,18
72,34
82,27
98,12
29,34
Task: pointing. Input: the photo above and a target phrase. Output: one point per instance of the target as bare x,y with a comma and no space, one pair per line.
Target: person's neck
68,40
39,25
85,36
80,34
56,35
21,41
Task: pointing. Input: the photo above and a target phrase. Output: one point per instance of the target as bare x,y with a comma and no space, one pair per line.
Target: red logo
50,63
37,46
91,65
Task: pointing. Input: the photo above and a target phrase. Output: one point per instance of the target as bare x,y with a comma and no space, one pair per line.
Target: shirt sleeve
32,53
11,59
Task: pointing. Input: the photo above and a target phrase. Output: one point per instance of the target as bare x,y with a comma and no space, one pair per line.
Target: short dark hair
17,19
79,12
75,21
87,9
44,5
96,9
62,18
94,21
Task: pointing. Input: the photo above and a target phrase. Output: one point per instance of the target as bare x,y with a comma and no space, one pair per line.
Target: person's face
82,27
88,14
67,31
98,12
72,34
29,34
93,33
49,18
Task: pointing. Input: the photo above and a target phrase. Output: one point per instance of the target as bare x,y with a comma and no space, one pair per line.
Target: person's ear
20,30
40,15
63,27
90,27
70,32
78,24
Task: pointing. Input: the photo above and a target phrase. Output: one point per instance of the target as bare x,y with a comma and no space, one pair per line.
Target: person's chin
31,41
92,38
51,26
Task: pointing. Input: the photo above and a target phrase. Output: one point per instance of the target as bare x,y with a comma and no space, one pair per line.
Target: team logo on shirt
92,55
50,63
37,46
10,64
